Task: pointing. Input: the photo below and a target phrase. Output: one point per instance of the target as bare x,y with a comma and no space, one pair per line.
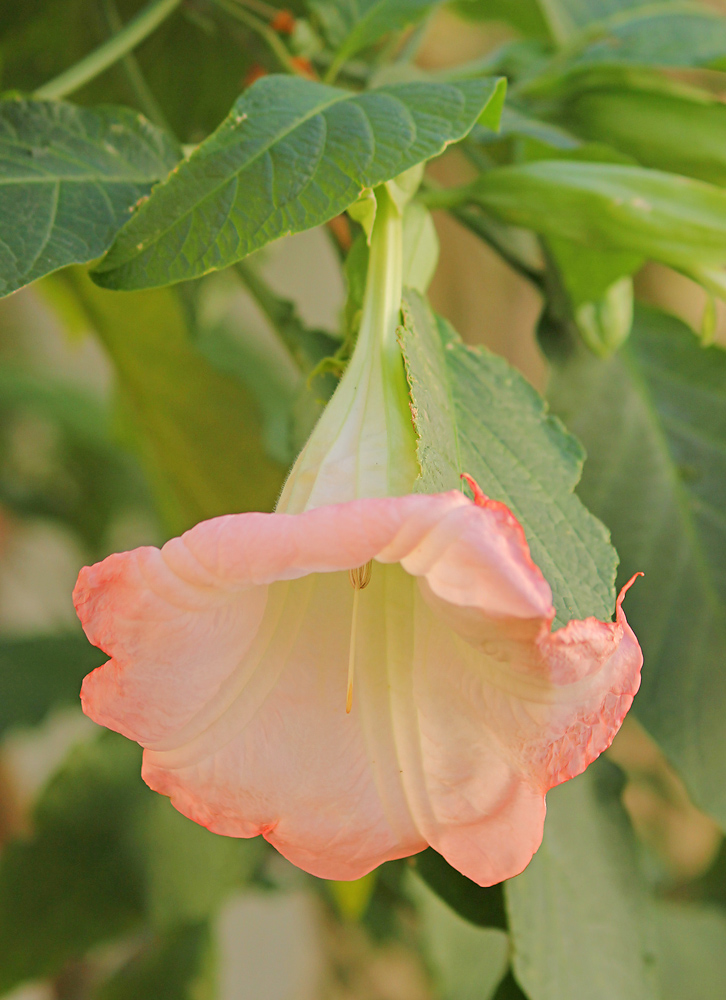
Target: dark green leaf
41,38
578,913
607,206
476,414
481,906
39,673
653,420
509,989
68,179
291,155
198,431
168,967
77,879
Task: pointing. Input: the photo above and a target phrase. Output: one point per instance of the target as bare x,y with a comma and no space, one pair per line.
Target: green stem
453,197
136,79
265,32
333,70
119,45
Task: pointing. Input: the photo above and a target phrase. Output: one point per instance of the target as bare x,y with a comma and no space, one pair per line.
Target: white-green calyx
364,444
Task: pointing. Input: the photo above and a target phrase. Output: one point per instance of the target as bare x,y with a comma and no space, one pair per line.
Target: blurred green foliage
611,153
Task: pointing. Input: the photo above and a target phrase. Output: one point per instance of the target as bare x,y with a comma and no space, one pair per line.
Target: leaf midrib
89,179
283,134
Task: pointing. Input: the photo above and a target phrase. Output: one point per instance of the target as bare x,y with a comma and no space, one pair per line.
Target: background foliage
155,374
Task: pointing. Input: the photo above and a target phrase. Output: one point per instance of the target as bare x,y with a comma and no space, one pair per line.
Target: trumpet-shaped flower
361,675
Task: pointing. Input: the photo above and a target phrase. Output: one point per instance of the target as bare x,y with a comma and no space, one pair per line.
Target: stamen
360,577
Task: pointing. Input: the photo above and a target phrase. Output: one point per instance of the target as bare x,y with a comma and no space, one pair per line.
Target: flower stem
119,45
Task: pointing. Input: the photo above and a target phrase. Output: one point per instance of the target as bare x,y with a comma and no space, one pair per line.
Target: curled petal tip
626,587
480,497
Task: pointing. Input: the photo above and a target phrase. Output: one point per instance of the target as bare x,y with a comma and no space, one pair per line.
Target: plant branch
137,81
115,48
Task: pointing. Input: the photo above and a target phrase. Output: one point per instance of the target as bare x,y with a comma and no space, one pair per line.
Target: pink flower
371,671
230,654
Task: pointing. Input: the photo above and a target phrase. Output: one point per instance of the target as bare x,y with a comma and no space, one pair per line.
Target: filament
359,577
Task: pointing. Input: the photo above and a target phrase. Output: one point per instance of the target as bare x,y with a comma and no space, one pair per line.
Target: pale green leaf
356,24
69,177
579,912
190,871
665,34
199,433
468,962
684,133
691,951
608,206
653,421
291,155
474,413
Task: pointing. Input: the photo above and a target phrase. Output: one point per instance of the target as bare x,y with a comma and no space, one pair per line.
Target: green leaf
468,962
597,290
608,206
691,951
68,179
666,34
476,414
668,131
481,906
77,879
509,989
190,871
38,673
578,913
197,430
291,155
172,966
77,475
356,24
653,420
526,15
568,16
263,343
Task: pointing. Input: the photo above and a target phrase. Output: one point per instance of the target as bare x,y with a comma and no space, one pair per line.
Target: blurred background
104,890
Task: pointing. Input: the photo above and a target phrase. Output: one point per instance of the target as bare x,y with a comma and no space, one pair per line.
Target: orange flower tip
283,22
626,587
255,73
480,497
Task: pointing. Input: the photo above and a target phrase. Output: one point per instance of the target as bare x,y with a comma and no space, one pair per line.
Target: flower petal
229,659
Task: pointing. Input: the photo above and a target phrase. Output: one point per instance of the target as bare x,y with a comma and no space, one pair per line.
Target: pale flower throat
364,444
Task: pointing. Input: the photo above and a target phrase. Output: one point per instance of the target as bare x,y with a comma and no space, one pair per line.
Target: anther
359,577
